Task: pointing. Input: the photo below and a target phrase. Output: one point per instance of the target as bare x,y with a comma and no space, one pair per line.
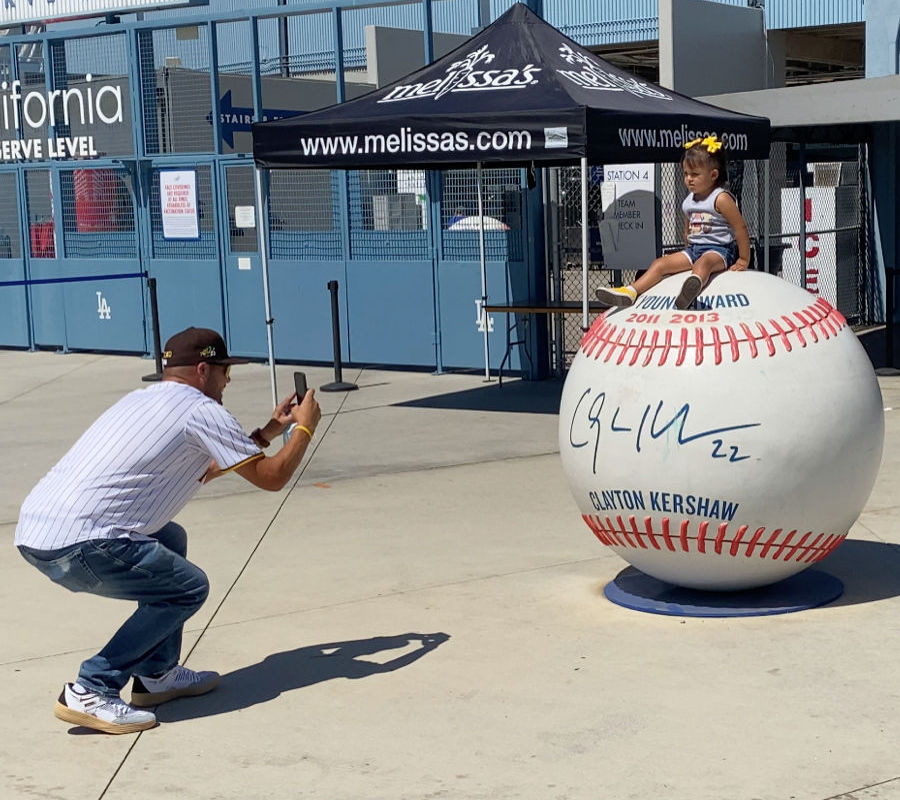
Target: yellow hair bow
711,143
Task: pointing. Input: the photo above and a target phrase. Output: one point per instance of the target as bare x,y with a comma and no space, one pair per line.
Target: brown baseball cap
196,345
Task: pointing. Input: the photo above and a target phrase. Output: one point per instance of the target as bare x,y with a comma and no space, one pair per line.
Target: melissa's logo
593,76
462,76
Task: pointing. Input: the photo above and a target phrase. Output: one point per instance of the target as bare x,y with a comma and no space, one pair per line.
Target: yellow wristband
303,428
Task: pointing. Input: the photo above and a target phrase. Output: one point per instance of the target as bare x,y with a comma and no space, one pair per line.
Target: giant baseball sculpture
728,446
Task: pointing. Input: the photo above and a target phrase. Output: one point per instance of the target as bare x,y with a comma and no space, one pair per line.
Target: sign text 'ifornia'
82,106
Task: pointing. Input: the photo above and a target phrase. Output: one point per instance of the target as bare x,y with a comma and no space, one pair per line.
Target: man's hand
273,472
281,418
740,265
307,411
282,412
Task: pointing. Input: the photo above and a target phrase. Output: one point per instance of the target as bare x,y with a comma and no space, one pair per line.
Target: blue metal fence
178,90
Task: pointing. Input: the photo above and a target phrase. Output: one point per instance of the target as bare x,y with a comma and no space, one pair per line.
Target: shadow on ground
870,571
305,666
517,396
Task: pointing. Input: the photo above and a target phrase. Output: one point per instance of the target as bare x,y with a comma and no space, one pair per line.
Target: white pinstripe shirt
134,469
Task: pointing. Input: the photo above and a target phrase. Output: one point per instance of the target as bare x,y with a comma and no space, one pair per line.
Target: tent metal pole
484,314
585,249
261,214
766,219
551,224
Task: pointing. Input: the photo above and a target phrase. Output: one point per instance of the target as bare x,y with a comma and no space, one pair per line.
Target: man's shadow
295,669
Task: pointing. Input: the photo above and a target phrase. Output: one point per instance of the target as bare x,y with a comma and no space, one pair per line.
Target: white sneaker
89,709
177,682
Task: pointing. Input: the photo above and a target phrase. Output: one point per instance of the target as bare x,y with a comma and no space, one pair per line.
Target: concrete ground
421,615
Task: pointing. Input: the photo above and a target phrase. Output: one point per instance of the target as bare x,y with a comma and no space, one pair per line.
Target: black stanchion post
154,321
338,385
891,311
890,275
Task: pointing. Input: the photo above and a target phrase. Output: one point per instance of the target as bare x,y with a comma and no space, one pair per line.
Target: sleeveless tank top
705,224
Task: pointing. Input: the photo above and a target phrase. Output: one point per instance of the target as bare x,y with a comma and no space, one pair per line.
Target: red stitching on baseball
771,541
652,348
625,533
797,546
613,533
720,536
734,341
784,544
682,347
682,534
819,321
778,542
822,548
626,346
805,318
717,346
614,345
648,529
814,544
750,340
782,333
665,532
589,520
735,545
753,542
666,347
701,539
792,328
770,345
637,350
635,531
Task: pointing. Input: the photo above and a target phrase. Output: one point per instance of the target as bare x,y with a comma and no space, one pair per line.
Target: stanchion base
338,386
156,376
633,589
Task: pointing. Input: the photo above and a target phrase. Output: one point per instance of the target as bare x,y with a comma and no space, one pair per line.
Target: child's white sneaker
89,709
177,682
616,295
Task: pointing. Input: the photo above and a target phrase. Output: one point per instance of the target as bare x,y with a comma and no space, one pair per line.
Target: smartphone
300,385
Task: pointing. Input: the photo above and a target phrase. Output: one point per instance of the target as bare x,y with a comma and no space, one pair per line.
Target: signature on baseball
594,417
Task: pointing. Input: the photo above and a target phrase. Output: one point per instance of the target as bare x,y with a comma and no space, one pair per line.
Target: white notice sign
244,216
178,201
628,228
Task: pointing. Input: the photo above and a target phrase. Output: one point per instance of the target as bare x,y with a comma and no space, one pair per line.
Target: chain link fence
801,193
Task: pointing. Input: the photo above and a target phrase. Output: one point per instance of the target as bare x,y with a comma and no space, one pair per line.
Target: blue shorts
728,252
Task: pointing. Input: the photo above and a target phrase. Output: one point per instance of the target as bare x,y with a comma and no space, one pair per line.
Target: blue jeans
729,252
167,587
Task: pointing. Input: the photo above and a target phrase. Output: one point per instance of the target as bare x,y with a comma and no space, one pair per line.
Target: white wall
392,53
707,47
882,22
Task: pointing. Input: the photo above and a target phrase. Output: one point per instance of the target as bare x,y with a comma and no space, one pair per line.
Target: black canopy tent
518,93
